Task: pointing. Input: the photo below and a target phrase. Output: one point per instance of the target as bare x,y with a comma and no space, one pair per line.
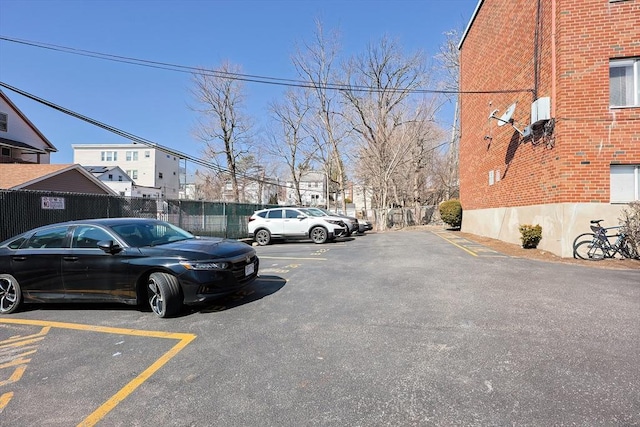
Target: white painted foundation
561,223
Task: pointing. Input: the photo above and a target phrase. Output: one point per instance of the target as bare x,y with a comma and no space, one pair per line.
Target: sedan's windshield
150,233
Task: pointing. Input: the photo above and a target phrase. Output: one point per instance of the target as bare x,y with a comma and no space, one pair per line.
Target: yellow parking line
455,244
98,414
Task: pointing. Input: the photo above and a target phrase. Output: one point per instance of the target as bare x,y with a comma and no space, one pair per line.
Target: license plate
249,269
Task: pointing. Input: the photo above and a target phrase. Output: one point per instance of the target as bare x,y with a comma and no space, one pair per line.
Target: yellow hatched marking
106,407
4,400
15,377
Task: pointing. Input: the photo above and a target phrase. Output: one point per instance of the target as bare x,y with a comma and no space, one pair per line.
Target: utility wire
242,77
135,138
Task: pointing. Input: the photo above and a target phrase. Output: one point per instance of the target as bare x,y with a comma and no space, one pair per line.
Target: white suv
293,223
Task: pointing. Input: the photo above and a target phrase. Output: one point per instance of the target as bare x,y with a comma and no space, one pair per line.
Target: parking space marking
183,340
291,257
468,246
13,354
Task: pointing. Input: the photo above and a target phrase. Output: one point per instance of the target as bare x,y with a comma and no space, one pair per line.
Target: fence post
226,221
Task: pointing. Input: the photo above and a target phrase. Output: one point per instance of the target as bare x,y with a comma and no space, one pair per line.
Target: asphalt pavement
387,329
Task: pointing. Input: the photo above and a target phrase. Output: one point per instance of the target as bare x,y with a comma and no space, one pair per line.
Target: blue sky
260,36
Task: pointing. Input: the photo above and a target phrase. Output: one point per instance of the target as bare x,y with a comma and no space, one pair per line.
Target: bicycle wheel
628,251
588,250
582,237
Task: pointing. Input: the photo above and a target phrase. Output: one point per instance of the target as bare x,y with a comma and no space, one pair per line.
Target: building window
109,156
159,175
624,83
132,156
147,154
133,173
624,183
5,152
4,118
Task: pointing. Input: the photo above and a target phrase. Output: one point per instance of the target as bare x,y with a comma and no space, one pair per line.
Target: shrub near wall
451,213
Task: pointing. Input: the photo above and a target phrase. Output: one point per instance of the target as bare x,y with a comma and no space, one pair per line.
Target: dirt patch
514,250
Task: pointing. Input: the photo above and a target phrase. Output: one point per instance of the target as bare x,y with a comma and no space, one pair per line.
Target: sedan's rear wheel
319,234
10,294
263,237
164,294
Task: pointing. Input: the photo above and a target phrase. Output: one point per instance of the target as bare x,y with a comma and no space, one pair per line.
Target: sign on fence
52,203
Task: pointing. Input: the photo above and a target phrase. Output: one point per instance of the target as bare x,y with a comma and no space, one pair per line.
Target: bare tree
380,114
316,64
291,141
449,64
222,126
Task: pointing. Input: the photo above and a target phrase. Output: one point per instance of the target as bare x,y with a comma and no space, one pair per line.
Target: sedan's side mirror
109,246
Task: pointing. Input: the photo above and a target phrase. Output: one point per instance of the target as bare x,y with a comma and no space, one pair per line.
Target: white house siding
21,131
148,168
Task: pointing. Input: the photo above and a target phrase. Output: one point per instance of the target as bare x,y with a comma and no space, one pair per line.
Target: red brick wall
498,55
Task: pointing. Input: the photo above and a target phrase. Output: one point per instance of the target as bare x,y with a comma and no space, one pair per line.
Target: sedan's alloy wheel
10,294
164,294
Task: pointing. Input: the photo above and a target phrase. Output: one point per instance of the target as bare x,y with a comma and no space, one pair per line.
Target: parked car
128,260
364,225
293,223
350,222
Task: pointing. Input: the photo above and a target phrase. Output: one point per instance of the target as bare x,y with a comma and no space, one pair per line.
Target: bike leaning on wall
597,245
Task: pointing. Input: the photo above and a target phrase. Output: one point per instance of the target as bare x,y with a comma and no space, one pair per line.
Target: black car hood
201,248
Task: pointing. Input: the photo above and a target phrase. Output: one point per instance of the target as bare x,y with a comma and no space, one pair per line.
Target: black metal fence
23,210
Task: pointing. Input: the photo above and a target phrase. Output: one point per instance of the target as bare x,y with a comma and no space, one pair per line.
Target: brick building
563,146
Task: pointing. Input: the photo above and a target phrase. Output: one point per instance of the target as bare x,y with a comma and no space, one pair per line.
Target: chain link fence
22,210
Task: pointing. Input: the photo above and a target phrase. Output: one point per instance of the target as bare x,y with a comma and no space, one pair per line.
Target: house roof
28,122
473,18
14,176
23,146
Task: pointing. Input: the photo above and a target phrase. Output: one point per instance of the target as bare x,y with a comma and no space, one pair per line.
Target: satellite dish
492,115
506,117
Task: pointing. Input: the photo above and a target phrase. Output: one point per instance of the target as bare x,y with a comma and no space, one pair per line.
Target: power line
238,76
134,138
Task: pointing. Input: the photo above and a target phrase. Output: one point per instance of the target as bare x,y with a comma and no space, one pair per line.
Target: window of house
5,152
133,173
624,183
147,154
131,156
4,118
159,175
110,177
624,83
109,156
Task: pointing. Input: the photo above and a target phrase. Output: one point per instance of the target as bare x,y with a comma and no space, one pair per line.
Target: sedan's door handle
70,258
19,258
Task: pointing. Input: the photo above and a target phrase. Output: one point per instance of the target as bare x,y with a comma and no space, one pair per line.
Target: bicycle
598,246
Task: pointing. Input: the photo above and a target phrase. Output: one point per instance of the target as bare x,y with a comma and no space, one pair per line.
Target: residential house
147,166
47,177
313,190
20,140
550,117
117,179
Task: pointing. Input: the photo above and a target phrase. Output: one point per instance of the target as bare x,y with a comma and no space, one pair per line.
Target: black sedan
129,260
